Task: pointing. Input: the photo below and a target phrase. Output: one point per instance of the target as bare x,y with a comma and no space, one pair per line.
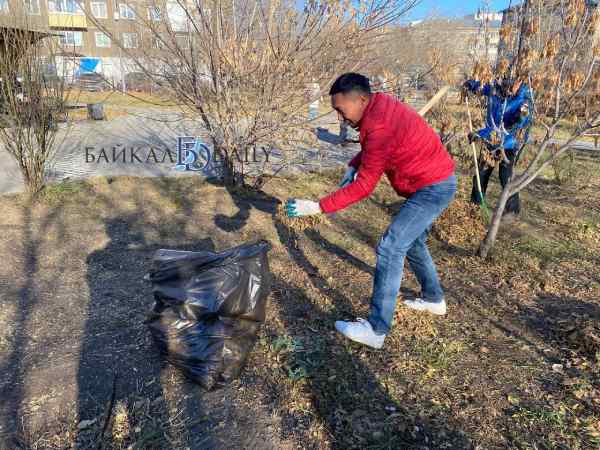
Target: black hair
351,82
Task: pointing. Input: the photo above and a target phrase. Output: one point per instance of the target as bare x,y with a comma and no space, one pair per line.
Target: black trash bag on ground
208,308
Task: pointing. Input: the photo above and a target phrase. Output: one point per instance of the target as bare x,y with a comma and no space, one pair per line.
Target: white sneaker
420,305
360,331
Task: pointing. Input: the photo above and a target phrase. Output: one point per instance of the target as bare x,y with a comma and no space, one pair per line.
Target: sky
448,8
453,8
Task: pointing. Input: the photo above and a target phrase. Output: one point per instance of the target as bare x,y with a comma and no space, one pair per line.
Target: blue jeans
406,238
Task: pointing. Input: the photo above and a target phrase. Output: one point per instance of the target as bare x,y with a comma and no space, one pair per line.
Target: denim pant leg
391,251
424,269
414,218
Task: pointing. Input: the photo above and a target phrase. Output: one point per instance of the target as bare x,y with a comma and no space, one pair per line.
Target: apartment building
477,36
468,39
86,30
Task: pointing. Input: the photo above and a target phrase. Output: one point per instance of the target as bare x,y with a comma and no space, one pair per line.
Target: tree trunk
33,177
490,238
229,175
34,184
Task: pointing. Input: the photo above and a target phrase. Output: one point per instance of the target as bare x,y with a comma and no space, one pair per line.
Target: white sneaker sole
437,310
375,345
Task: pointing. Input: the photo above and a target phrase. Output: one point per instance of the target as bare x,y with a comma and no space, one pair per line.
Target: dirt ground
514,364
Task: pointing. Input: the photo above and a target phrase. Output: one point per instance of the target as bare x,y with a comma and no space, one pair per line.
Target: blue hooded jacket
507,125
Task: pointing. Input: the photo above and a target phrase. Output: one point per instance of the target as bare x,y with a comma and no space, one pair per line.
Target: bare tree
552,46
243,67
30,99
428,52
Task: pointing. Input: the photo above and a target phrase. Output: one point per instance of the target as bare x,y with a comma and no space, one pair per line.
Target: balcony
67,21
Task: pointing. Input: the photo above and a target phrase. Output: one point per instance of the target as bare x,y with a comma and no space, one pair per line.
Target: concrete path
142,140
137,131
145,142
584,146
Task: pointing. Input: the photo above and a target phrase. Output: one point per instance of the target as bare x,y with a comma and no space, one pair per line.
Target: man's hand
349,176
298,208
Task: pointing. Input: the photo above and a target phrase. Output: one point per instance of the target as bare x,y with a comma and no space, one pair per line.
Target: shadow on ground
84,355
13,387
351,402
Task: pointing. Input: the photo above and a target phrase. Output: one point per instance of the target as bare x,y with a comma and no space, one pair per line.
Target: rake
484,207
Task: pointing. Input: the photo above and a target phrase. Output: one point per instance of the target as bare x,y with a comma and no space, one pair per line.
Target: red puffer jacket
396,141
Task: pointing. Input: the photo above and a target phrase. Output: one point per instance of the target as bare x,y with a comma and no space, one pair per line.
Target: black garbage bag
208,308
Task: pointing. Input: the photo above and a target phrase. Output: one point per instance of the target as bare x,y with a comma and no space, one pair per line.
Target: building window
99,10
73,38
126,11
3,6
64,6
177,17
102,40
32,6
130,40
154,13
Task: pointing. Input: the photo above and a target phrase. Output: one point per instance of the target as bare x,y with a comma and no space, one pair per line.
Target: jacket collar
368,109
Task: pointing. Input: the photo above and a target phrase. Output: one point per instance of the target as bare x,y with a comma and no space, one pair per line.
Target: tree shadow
564,323
116,342
315,236
14,431
245,199
511,323
388,208
324,135
113,333
451,249
350,401
115,336
355,407
355,229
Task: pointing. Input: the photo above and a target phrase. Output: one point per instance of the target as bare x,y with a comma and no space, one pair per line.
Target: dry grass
513,365
298,224
116,103
110,113
117,98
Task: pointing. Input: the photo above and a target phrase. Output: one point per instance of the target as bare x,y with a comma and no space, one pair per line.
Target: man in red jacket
396,141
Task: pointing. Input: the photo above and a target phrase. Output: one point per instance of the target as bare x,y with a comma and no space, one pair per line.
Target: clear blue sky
453,8
448,8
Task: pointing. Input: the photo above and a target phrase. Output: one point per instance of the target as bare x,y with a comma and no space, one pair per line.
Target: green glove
349,176
298,208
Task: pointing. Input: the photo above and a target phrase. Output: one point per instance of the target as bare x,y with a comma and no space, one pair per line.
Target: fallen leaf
86,424
513,400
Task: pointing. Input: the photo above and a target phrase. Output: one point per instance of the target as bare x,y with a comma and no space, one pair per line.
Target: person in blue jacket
507,122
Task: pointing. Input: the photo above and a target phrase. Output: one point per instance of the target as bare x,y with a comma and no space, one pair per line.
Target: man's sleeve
523,98
373,162
476,87
472,86
486,90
